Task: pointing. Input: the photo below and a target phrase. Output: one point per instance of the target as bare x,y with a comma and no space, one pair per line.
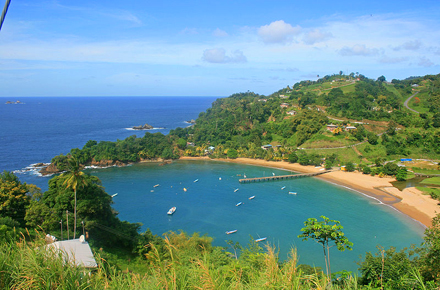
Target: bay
44,127
208,206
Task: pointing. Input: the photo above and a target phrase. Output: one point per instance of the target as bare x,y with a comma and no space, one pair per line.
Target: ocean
41,128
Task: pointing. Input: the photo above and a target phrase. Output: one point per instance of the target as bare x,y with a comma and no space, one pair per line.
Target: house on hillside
262,100
331,127
265,147
350,128
284,96
284,105
291,113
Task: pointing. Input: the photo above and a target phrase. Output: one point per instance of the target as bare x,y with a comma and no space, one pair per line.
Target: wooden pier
280,177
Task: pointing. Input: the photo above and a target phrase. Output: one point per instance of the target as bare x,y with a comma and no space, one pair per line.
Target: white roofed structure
77,252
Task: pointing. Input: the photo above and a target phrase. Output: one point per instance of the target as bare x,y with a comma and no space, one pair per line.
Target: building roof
78,252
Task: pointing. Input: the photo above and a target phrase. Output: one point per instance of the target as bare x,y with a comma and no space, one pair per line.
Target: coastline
411,201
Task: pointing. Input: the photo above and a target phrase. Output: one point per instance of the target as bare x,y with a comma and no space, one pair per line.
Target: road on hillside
407,101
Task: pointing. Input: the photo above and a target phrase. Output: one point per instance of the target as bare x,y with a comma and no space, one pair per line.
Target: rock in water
143,127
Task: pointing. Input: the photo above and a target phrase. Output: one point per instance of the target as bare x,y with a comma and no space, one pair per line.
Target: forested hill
370,114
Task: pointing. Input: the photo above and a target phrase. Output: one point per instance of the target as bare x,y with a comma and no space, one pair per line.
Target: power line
5,10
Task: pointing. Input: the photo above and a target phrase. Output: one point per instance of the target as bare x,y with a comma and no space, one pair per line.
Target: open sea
204,192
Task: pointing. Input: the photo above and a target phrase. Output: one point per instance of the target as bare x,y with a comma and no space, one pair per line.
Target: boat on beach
172,210
240,203
260,239
231,232
252,197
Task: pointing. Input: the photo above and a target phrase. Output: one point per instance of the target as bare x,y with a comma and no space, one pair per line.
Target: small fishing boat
219,178
240,203
231,232
156,185
172,210
291,192
114,195
235,190
283,187
196,180
260,239
252,197
184,189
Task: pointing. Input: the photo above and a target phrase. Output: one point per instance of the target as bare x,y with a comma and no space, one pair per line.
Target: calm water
45,127
209,206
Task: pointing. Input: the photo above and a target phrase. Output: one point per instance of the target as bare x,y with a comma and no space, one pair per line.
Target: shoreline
411,201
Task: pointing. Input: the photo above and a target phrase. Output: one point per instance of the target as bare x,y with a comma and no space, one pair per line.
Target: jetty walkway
281,177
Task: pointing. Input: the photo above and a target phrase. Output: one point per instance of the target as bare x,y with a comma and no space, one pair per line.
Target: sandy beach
410,201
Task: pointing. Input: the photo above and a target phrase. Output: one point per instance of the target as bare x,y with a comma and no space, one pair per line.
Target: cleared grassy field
432,180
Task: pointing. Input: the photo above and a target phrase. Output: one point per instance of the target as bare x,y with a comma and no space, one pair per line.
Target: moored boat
235,190
172,210
240,203
291,192
231,232
260,239
283,187
252,197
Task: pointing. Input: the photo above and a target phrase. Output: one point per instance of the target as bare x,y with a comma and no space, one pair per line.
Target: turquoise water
208,206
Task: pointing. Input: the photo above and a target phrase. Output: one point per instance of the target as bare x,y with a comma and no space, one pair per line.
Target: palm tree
75,179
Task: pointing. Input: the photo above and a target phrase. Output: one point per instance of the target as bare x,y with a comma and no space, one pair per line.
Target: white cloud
425,62
358,49
278,32
392,60
409,45
218,55
315,36
219,33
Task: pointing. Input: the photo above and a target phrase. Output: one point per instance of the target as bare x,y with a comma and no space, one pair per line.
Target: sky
209,48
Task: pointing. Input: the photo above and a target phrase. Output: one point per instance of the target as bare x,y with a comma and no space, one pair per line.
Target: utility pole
67,214
82,222
61,222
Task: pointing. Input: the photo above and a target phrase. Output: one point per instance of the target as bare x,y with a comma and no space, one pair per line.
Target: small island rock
143,127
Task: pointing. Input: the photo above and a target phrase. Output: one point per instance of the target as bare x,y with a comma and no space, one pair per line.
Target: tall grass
180,263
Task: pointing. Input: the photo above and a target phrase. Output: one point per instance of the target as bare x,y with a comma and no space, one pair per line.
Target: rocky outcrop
50,169
143,127
107,163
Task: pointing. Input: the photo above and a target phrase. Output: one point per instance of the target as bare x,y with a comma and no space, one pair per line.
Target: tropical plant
75,180
326,232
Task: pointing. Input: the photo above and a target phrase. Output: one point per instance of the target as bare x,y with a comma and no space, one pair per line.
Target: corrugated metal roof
78,252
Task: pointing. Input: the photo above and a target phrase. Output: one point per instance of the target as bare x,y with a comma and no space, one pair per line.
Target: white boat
219,178
283,187
291,192
240,203
260,239
156,185
252,197
235,190
172,210
114,195
196,180
231,232
184,189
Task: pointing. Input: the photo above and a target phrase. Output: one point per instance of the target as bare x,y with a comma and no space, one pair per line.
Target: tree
402,173
349,166
326,232
431,260
75,180
14,197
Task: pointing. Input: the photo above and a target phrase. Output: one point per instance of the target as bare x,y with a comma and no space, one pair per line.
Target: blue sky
209,48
